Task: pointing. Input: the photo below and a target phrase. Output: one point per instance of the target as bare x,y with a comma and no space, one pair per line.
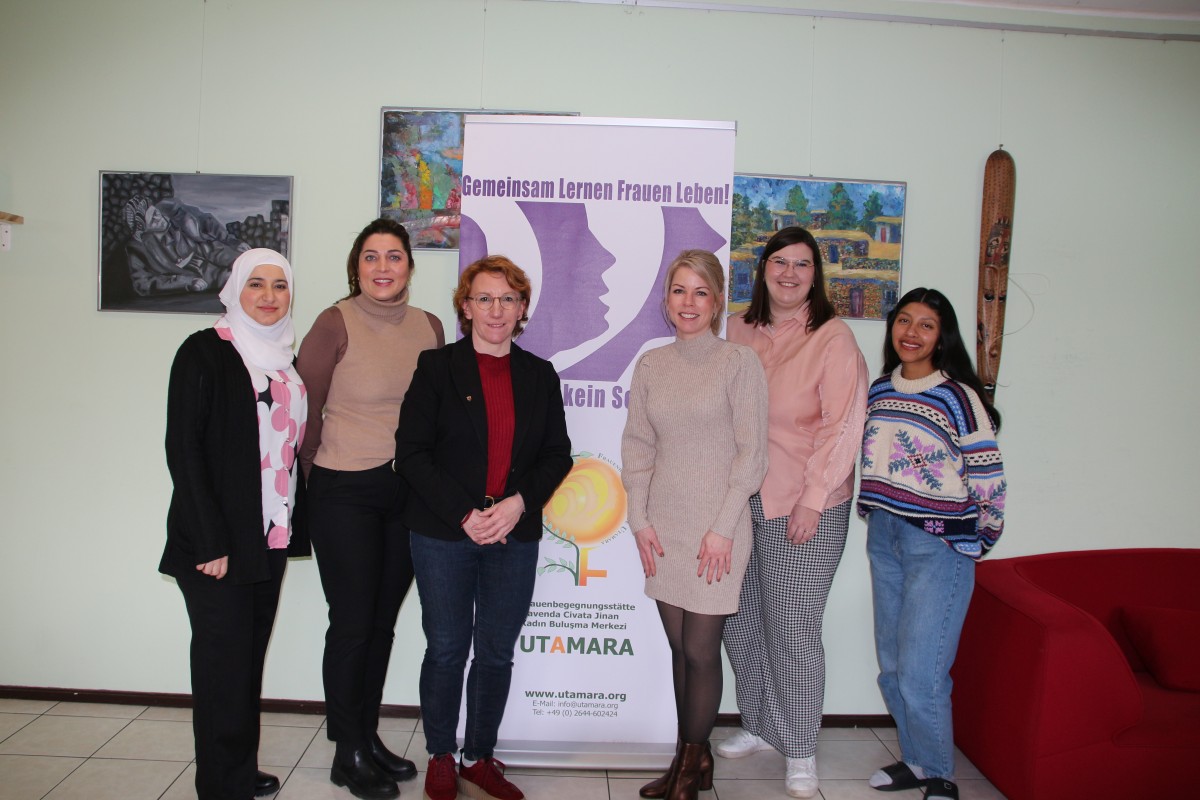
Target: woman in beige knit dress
694,451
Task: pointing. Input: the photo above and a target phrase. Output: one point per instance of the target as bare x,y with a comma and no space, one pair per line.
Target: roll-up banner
594,210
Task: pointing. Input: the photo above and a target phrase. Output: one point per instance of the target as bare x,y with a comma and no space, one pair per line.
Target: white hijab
268,347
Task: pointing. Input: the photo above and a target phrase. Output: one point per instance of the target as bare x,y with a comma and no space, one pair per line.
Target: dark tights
695,641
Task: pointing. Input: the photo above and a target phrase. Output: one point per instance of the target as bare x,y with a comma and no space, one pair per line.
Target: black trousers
231,626
363,556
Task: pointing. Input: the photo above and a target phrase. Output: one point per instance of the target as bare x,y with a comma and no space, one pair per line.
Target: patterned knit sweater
929,454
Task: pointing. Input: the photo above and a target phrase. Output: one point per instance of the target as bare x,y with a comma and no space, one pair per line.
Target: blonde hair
706,265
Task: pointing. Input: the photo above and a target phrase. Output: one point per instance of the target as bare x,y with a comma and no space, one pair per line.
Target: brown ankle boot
687,776
657,788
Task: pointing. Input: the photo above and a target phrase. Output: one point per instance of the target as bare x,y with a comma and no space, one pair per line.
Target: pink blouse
817,404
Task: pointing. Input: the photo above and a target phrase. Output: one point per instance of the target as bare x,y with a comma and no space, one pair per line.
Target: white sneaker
801,780
742,743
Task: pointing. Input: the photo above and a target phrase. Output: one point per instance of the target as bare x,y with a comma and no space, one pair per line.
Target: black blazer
213,456
441,442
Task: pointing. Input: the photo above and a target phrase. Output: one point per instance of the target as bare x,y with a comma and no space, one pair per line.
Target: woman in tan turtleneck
357,362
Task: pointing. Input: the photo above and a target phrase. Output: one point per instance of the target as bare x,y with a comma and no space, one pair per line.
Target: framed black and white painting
168,240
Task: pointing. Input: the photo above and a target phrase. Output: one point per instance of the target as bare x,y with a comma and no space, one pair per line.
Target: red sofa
1059,682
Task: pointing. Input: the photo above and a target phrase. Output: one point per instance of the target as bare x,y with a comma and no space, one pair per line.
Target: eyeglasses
780,263
484,301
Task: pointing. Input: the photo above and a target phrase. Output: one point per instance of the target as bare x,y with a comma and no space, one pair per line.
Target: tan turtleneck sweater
356,363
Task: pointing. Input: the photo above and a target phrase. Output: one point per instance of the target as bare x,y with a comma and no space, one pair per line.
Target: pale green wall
1099,445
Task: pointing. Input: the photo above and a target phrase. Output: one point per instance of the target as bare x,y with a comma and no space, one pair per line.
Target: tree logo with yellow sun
587,510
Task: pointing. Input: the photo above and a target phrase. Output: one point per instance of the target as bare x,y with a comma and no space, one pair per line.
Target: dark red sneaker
484,780
440,781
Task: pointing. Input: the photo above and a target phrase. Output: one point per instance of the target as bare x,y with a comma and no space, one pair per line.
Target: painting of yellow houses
858,225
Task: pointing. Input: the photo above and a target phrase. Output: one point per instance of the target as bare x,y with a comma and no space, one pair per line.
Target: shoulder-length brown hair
516,278
381,225
820,308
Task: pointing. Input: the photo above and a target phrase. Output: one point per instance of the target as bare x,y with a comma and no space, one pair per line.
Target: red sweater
496,375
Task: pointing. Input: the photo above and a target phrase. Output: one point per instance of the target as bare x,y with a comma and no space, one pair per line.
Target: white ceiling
1153,9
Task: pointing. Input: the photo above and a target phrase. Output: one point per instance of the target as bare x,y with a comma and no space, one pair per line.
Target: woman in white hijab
235,417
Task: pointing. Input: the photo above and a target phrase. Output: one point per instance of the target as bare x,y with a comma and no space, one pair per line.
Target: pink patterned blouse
282,413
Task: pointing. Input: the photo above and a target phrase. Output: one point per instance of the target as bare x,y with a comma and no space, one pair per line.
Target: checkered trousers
774,640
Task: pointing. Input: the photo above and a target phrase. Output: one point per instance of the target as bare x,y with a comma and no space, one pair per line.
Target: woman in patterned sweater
933,492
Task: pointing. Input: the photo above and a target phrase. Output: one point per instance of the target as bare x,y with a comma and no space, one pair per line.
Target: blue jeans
470,595
921,589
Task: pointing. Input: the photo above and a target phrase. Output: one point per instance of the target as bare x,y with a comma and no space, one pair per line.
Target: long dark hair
381,225
950,356
820,308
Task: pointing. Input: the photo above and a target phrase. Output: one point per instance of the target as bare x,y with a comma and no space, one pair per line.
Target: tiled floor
87,751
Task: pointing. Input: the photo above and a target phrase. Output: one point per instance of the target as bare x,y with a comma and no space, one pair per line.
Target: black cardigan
213,456
441,442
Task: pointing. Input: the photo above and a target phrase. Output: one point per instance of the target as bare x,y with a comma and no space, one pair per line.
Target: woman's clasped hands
492,525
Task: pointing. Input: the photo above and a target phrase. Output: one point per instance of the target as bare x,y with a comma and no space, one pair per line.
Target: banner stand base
586,755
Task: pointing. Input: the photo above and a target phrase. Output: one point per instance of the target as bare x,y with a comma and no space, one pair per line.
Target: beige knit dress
694,451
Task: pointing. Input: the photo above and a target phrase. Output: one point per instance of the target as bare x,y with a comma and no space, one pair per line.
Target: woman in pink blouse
817,390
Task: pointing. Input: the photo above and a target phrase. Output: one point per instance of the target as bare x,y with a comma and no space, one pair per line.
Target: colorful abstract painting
420,172
859,226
